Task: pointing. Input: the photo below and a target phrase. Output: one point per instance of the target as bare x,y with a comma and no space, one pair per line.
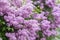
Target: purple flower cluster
50,3
26,31
42,3
56,14
20,15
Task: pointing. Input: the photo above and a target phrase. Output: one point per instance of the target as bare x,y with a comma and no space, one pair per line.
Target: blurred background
58,29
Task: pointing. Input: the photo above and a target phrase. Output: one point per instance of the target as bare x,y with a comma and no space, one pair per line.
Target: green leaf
40,34
50,38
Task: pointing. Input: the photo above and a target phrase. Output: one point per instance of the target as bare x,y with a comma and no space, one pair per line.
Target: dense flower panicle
15,17
56,14
27,34
23,34
25,11
50,3
20,15
43,38
17,3
39,16
11,36
45,24
32,25
4,2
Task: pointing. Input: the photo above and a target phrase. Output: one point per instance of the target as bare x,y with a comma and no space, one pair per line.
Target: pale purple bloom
43,38
50,3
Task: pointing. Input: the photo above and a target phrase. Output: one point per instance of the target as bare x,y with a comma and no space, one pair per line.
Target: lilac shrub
30,19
